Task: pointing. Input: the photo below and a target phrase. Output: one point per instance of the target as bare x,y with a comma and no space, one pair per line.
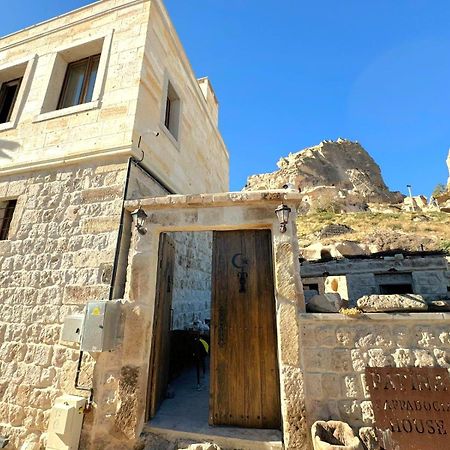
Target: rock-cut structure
342,165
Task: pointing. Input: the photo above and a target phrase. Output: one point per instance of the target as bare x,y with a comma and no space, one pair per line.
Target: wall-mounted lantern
283,213
139,217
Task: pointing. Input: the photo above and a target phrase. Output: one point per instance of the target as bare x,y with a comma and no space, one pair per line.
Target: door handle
242,281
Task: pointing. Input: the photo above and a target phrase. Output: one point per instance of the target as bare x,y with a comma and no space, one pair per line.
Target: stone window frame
61,58
22,68
170,87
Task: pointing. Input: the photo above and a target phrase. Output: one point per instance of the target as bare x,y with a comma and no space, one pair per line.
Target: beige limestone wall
124,417
430,275
102,126
335,351
198,160
191,298
140,54
59,256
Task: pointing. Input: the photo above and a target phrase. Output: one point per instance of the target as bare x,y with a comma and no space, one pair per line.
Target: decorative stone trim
215,200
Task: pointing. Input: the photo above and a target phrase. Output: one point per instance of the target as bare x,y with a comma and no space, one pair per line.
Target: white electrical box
66,420
101,326
73,325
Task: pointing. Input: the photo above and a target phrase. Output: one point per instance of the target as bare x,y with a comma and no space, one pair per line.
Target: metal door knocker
240,262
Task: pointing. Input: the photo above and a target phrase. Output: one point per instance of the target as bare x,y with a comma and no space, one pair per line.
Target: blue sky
291,73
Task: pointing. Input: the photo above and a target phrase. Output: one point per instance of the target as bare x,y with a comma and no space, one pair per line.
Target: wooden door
244,388
159,358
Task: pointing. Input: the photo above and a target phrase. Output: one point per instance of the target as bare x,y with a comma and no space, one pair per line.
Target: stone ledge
213,200
336,317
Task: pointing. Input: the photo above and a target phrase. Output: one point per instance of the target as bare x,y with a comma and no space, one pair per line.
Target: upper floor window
172,111
79,82
6,214
8,97
15,80
77,79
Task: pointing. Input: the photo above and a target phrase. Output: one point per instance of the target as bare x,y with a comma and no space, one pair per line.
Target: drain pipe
136,163
83,388
111,289
120,232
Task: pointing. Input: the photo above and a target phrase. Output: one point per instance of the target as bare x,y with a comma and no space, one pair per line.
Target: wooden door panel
159,358
244,365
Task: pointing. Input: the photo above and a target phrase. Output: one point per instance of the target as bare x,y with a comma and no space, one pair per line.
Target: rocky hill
347,209
334,171
365,233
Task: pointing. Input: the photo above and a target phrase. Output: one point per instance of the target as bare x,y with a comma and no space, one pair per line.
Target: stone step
223,438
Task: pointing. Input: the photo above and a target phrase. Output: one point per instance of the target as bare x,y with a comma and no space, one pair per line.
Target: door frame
226,212
150,408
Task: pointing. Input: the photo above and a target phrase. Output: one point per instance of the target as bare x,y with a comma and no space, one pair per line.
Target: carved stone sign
411,407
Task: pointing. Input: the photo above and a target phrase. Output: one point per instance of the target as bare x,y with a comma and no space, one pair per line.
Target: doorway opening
179,364
214,359
395,283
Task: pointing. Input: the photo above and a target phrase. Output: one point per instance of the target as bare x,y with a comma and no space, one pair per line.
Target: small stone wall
192,278
59,256
336,350
353,278
225,211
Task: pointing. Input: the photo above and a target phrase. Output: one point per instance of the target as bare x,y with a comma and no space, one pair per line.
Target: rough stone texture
318,251
204,446
334,435
151,441
369,438
126,416
429,276
296,436
340,171
333,229
336,350
51,266
127,107
50,269
393,302
67,169
191,298
229,211
350,248
326,303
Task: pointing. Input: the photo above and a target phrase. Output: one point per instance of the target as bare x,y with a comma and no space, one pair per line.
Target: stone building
97,106
422,273
101,117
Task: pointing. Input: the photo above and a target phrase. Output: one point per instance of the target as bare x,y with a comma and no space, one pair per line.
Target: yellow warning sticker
96,311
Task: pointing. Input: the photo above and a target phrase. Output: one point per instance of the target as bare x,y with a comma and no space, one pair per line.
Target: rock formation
391,303
339,171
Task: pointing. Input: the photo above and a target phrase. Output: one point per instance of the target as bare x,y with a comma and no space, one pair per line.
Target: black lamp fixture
283,212
139,217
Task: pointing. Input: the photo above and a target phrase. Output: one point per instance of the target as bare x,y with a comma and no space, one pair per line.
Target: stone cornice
215,200
64,26
18,168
